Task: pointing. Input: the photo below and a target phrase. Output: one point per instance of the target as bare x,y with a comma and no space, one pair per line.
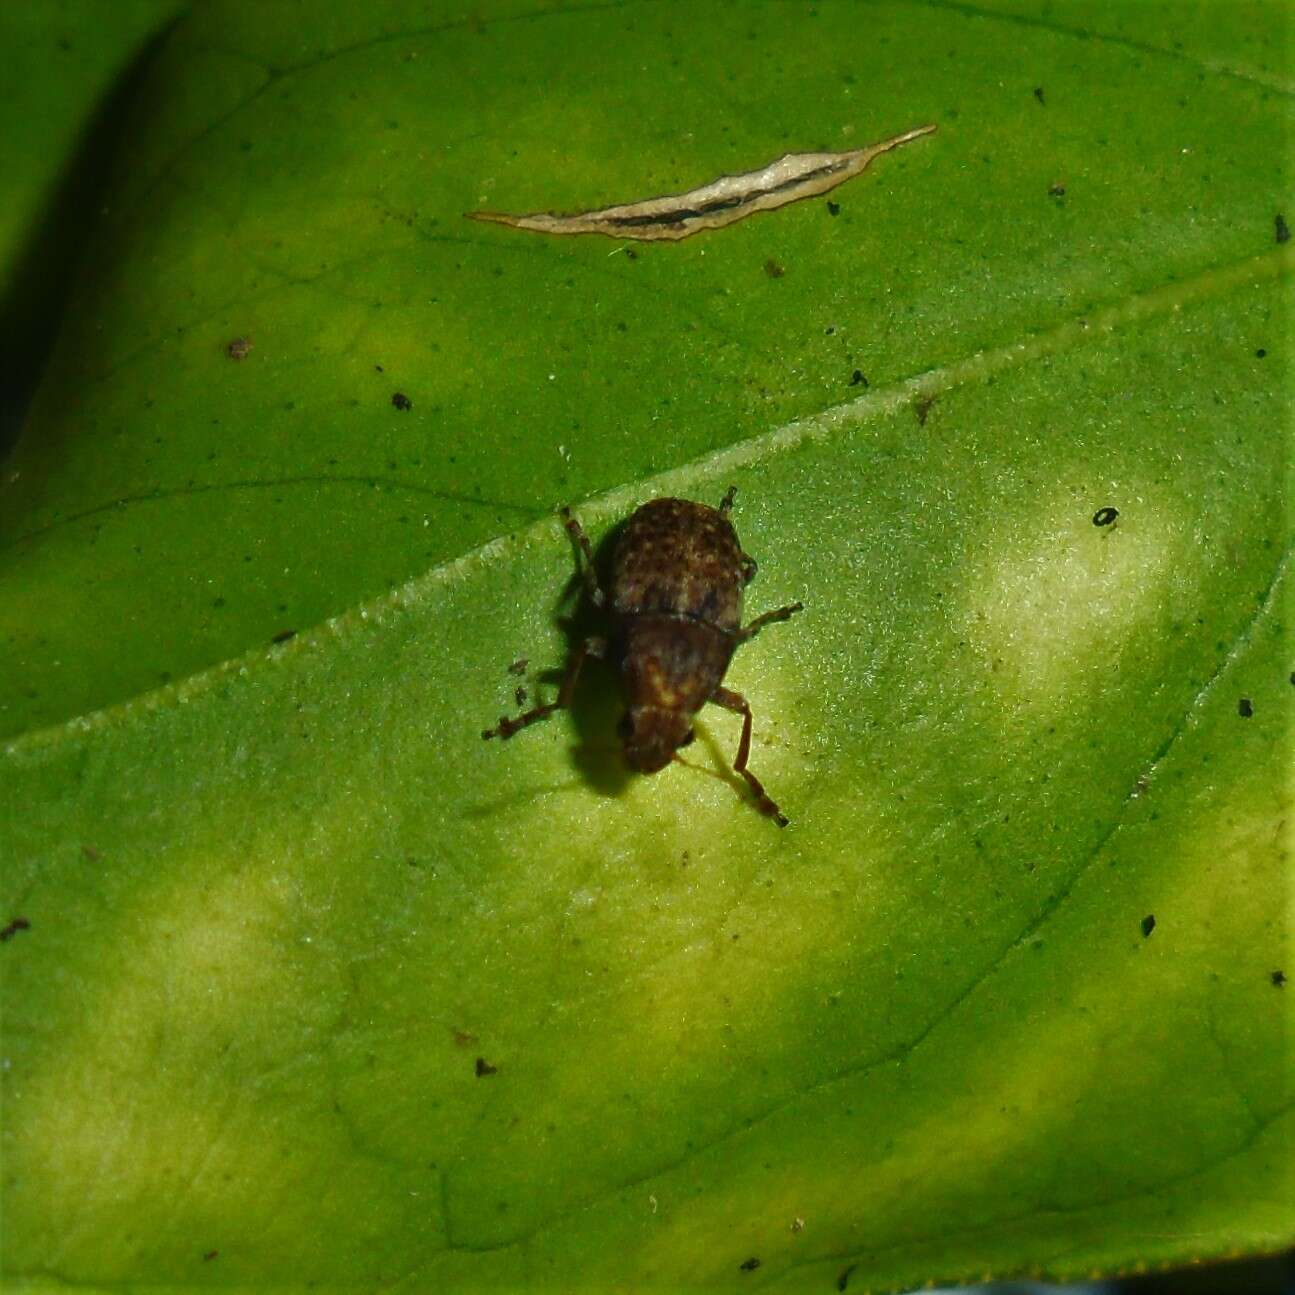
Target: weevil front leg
781,614
588,571
507,727
734,701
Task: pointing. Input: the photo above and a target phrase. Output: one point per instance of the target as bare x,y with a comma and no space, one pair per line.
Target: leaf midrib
610,505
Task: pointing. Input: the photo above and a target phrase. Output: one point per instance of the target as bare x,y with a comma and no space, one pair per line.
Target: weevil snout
652,734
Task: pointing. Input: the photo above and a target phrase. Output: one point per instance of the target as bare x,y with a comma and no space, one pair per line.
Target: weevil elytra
675,612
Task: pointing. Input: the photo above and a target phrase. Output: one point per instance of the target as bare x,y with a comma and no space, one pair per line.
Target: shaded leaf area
303,189
318,980
62,56
62,59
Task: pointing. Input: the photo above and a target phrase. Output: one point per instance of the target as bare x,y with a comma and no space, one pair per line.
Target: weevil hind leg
769,618
507,727
588,571
734,701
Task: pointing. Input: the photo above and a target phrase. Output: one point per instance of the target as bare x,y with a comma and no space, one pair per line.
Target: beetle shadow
720,765
597,705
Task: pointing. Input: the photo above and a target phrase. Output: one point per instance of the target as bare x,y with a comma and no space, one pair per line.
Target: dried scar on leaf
722,202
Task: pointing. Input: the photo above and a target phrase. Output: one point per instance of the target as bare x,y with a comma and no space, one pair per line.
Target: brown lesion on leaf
791,178
12,928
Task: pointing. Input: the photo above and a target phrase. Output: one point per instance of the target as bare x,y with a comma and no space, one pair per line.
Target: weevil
675,611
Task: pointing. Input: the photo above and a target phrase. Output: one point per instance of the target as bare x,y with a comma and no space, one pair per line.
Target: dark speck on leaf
1245,708
1057,190
1278,978
238,349
749,1265
1105,516
923,407
209,1256
631,254
484,1068
773,269
1148,924
1038,93
519,666
377,368
283,636
401,401
18,924
1260,353
833,208
858,378
844,1279
519,696
1281,228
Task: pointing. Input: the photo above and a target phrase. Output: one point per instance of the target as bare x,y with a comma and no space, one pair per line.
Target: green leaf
316,986
61,59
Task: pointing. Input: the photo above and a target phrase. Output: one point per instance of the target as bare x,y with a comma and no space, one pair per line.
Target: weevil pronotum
675,606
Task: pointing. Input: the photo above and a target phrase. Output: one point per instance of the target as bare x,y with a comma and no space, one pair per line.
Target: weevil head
652,734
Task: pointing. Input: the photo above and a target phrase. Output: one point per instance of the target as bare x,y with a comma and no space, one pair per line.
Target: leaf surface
319,987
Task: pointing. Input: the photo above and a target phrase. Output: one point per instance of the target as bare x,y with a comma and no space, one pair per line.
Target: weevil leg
507,727
782,614
587,569
734,701
726,504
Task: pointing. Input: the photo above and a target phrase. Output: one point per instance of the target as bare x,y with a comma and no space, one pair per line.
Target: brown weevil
675,607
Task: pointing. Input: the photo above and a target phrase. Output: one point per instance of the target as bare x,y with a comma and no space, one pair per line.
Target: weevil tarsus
726,504
588,571
734,701
507,727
